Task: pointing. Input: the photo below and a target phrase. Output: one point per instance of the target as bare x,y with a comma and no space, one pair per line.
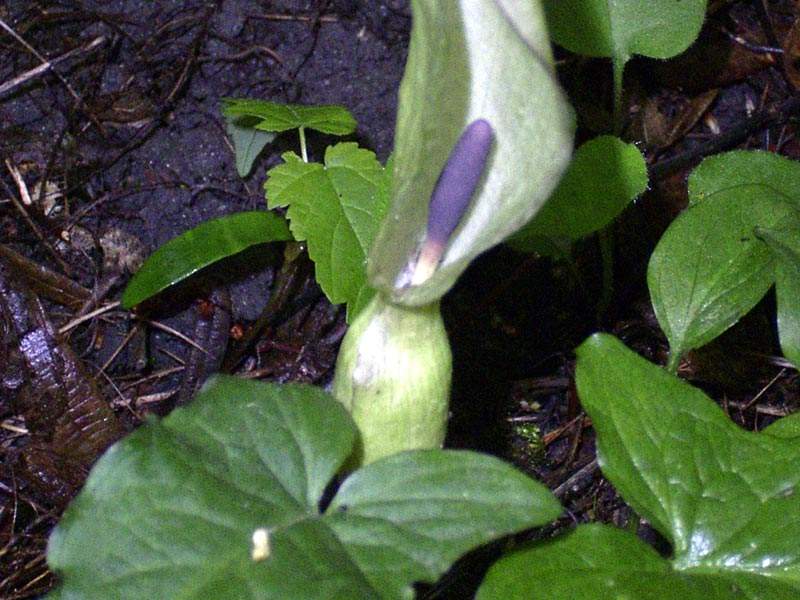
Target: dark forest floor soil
124,147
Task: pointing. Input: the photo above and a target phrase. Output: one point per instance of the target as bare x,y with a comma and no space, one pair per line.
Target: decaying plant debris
110,129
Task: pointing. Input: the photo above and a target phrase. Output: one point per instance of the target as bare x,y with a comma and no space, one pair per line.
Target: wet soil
125,140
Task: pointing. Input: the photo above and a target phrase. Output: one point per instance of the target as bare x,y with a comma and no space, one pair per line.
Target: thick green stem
393,375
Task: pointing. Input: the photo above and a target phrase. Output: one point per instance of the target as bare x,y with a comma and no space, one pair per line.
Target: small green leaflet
619,29
271,116
604,176
336,208
727,499
221,499
785,244
247,143
710,267
200,247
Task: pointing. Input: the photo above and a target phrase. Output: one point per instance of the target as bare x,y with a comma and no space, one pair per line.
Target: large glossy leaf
171,511
726,498
599,562
710,267
337,208
469,60
621,28
200,247
272,116
604,176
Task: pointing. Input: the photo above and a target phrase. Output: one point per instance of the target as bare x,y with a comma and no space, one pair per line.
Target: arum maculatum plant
483,136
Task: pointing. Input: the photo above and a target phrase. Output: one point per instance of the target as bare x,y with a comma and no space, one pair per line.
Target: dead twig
243,55
763,390
24,194
32,50
177,334
301,18
574,479
49,65
759,120
77,321
35,228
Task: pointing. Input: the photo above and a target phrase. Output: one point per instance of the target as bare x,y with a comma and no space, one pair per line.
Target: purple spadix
452,194
458,180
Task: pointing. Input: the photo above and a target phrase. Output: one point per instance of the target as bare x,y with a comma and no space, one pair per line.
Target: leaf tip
597,342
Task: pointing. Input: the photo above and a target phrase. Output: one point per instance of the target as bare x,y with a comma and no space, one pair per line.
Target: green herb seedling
720,256
622,28
456,191
605,175
356,182
725,498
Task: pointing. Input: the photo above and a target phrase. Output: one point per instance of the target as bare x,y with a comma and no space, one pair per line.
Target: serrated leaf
710,268
200,247
621,28
598,562
469,60
170,511
337,208
604,176
332,119
248,143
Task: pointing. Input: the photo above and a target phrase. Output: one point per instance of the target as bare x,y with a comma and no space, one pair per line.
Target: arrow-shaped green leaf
727,499
221,499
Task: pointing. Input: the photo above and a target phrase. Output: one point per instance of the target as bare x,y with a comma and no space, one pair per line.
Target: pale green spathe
393,376
467,60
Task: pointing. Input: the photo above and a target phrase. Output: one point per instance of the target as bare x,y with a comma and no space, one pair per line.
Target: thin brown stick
763,390
32,50
119,349
24,194
35,228
588,469
759,120
244,54
44,281
77,321
48,65
764,410
177,334
157,375
301,18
